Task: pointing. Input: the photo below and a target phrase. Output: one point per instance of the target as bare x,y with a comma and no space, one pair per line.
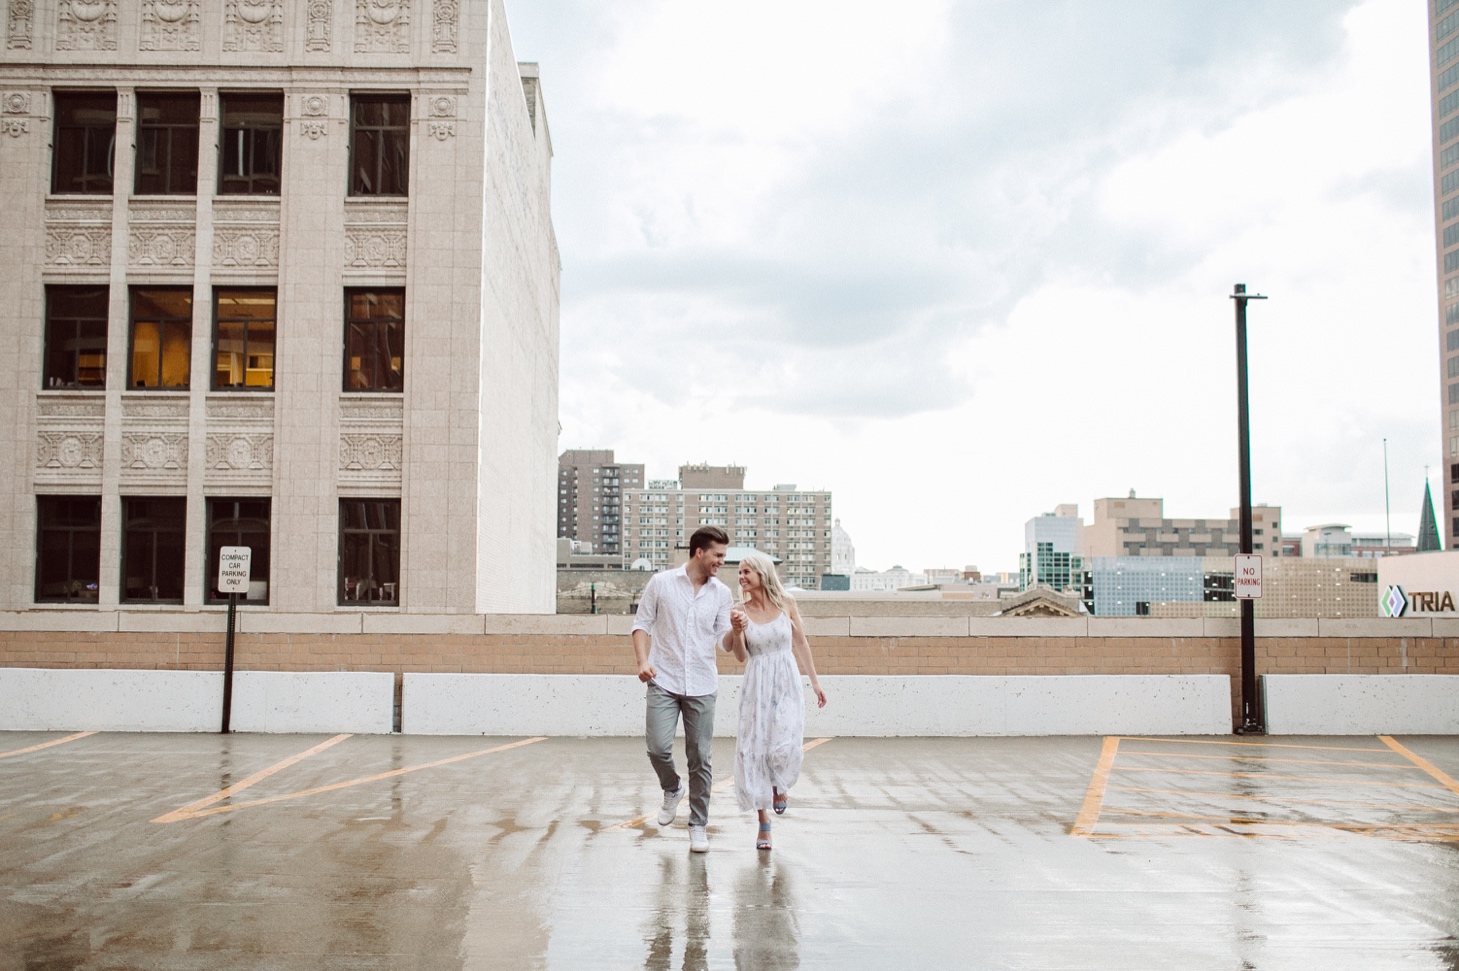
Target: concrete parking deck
280,851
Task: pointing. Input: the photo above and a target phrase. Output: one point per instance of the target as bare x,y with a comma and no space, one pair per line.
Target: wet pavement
167,852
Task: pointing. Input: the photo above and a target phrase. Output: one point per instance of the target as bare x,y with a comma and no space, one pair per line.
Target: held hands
739,620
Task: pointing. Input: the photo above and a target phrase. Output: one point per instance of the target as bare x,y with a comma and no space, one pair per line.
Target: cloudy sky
961,262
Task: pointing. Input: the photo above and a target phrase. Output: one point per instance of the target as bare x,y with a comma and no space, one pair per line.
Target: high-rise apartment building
1444,94
792,524
1138,527
590,488
280,275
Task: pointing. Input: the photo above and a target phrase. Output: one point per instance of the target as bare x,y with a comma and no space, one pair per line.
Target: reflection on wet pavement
897,853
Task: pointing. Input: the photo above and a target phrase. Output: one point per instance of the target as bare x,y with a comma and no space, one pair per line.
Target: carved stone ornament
443,106
246,247
134,408
261,409
78,247
169,25
68,450
240,452
154,451
442,130
86,25
253,25
320,25
15,127
370,453
70,409
314,129
445,14
389,410
17,103
374,248
382,26
22,25
161,247
315,105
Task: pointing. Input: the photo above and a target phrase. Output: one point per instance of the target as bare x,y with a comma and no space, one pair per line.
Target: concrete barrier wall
1361,704
951,705
48,699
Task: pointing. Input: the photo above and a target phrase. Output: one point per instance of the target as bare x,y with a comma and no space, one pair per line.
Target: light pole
1252,722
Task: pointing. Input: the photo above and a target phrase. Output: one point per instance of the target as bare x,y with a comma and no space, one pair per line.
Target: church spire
1428,527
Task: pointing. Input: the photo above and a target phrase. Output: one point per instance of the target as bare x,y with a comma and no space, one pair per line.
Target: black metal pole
228,664
1251,714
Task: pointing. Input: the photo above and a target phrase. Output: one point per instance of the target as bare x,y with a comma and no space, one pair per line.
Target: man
681,617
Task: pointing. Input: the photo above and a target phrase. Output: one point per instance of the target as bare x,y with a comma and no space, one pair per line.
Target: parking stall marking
51,743
717,787
205,807
1268,804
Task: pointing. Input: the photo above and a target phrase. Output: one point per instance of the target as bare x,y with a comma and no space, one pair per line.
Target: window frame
44,524
180,530
171,128
247,185
132,293
342,582
259,567
378,132
58,129
49,379
218,321
375,323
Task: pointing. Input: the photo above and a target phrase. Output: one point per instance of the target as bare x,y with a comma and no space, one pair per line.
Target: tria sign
1247,578
1396,602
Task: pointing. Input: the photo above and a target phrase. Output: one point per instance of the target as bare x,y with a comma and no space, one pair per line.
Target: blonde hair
764,567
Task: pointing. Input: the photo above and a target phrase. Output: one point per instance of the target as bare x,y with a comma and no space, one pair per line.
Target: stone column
196,566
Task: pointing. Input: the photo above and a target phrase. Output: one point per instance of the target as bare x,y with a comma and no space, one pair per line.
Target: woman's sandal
763,843
780,802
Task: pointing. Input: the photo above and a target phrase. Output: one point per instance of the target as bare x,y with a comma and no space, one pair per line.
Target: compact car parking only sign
234,563
233,567
1248,576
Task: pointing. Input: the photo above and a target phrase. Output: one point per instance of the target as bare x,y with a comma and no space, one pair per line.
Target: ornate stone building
280,275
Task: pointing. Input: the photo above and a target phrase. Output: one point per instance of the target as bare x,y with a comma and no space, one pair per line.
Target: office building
786,522
1138,527
1053,545
1444,101
590,488
280,275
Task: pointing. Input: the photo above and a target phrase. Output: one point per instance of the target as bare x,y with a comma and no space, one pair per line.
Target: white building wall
517,491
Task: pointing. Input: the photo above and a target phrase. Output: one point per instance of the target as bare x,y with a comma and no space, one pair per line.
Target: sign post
1252,721
234,563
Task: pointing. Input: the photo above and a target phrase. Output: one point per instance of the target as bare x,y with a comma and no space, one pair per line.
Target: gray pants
661,719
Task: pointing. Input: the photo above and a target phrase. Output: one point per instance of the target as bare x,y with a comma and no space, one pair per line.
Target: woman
766,633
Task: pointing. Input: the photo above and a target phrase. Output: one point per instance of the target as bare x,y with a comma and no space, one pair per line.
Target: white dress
772,716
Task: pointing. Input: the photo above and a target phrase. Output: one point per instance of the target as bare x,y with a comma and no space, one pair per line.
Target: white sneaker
671,805
698,840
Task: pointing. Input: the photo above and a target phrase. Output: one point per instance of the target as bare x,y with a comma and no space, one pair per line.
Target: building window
75,337
167,144
86,124
67,549
153,544
379,144
243,339
161,341
369,551
374,340
239,522
249,158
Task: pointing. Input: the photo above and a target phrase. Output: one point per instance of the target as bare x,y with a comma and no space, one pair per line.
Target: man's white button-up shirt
684,626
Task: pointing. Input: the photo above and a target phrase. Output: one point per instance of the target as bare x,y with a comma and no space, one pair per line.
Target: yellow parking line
1094,795
1265,758
361,781
37,748
1285,799
1203,741
718,786
1439,774
191,809
1168,830
1289,778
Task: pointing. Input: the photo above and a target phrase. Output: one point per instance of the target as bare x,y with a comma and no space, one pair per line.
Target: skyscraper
1444,68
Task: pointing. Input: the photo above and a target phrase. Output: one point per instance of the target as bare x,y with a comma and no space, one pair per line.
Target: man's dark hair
704,536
